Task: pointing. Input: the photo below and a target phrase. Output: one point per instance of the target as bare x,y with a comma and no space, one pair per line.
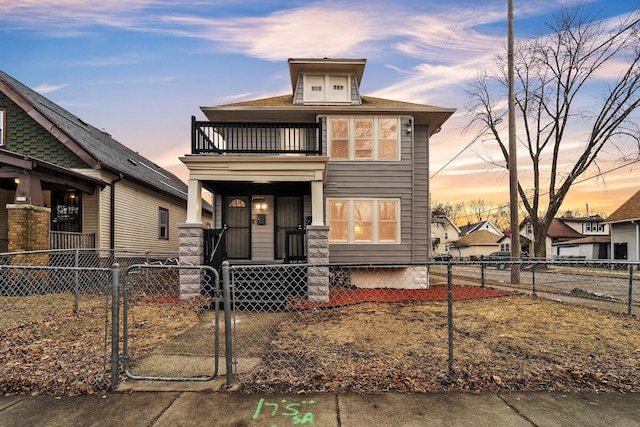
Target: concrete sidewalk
234,409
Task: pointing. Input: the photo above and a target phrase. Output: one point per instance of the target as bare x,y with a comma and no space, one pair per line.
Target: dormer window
326,89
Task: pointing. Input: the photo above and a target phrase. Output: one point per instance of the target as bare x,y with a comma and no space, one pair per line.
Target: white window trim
3,127
351,220
376,138
160,235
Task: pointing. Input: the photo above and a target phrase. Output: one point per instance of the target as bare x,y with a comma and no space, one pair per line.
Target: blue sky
141,68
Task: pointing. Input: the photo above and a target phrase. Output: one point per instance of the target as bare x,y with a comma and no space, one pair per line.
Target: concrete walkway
234,409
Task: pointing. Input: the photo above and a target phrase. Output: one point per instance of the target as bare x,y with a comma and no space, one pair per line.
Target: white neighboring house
476,244
443,233
625,230
569,236
482,225
593,243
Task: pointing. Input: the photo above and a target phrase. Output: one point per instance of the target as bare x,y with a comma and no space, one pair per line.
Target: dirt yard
503,343
508,343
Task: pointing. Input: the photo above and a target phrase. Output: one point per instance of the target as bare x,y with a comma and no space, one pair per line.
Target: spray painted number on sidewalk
290,411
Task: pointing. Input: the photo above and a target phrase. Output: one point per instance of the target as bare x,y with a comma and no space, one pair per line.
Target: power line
598,175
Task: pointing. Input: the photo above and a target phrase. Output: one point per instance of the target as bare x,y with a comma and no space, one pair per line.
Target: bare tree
562,125
453,211
480,209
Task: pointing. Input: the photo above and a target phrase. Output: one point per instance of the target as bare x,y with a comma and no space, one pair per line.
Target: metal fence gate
165,337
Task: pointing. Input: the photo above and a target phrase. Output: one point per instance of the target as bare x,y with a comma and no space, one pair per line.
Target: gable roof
441,219
478,238
92,145
628,211
469,228
560,230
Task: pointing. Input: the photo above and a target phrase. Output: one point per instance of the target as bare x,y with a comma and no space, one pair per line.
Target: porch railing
294,246
69,240
214,247
255,138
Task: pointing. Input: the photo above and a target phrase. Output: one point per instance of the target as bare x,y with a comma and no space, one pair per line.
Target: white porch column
194,202
317,200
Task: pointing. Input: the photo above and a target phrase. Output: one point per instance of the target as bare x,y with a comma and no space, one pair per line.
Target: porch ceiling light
259,203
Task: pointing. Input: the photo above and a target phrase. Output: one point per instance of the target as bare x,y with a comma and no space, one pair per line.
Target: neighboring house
443,233
476,244
72,185
625,230
482,225
569,236
349,171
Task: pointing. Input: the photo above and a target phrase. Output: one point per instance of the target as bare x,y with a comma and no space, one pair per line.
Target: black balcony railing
255,138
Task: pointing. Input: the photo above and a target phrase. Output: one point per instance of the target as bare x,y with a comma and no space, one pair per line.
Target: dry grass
515,343
509,343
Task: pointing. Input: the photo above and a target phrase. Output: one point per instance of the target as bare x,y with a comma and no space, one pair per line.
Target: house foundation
318,258
190,252
410,277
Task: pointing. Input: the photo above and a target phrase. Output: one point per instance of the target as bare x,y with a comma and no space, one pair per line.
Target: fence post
482,271
630,303
226,295
115,324
450,312
76,285
533,280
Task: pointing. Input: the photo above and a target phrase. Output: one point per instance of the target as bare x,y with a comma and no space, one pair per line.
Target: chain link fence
166,337
564,326
55,319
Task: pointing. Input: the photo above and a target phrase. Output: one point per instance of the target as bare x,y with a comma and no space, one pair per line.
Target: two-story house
66,184
347,172
584,237
443,233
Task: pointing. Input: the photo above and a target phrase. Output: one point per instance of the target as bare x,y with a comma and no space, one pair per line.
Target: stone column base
318,257
191,252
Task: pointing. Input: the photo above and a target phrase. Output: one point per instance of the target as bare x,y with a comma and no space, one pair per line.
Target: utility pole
513,163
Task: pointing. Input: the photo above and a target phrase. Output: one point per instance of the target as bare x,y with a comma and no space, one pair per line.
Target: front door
288,217
237,219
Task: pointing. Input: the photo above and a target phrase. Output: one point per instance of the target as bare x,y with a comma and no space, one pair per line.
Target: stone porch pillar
318,257
191,252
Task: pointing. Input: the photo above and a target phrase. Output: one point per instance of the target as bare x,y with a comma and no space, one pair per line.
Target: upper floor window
2,125
326,88
364,220
363,138
163,221
528,229
594,227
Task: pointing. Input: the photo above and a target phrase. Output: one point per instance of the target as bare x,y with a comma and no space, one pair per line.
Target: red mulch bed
342,297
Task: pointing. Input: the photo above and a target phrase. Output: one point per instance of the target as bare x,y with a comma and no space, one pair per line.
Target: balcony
255,138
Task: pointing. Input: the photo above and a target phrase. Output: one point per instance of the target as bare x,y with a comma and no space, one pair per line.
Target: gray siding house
625,230
323,174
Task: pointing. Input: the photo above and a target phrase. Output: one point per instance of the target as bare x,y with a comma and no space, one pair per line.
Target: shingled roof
101,151
628,211
476,238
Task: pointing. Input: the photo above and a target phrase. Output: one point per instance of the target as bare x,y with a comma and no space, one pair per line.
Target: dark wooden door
237,219
288,217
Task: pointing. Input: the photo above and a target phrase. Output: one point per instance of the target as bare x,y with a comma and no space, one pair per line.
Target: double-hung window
364,220
163,221
364,138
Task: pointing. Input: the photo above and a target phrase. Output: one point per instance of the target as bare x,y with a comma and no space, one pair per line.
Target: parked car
442,257
497,259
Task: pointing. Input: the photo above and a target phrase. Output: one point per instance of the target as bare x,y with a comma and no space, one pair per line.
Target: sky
140,69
